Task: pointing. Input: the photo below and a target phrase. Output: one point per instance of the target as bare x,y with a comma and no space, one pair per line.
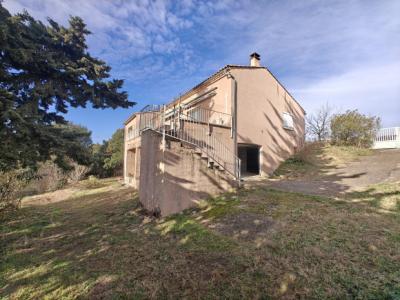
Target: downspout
125,155
234,120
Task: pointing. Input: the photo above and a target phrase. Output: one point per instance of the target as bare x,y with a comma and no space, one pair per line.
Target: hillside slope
258,243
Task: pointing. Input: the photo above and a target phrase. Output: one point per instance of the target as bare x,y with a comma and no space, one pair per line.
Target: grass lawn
258,243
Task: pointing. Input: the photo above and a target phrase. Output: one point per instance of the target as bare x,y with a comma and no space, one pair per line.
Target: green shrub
50,177
93,182
354,129
11,185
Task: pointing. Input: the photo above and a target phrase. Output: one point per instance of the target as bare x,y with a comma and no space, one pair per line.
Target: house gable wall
261,102
220,102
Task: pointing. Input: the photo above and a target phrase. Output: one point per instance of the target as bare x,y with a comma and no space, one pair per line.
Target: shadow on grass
384,197
99,245
65,248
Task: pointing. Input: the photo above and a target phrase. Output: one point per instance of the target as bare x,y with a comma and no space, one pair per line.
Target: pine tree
44,70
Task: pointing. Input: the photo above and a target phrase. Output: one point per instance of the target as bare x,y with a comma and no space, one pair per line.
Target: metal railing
198,134
209,116
146,120
190,130
198,114
151,107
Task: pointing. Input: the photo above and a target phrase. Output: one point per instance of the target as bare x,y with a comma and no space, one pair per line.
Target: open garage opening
249,155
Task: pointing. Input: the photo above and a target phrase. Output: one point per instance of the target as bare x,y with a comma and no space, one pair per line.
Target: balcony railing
208,116
189,127
151,107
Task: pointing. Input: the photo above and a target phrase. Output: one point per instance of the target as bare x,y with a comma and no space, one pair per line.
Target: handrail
209,116
192,131
151,107
189,118
199,136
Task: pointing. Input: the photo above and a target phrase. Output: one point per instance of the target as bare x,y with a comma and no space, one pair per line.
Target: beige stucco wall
132,149
221,101
176,178
132,163
261,100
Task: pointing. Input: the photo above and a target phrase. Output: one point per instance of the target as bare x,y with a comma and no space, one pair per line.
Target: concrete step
221,168
203,156
200,153
170,138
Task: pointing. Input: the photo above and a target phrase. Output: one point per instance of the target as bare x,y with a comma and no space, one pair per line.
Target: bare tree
318,124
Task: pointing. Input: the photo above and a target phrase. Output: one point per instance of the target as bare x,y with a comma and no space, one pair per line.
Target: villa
239,122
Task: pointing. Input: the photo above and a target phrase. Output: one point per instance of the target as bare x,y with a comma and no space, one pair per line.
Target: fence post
398,134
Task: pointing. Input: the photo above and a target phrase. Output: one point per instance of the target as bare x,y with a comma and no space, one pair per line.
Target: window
130,133
287,121
194,114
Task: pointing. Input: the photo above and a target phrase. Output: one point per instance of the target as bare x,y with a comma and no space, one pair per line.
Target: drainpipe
234,120
125,155
163,127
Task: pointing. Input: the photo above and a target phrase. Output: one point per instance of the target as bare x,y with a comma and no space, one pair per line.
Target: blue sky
346,53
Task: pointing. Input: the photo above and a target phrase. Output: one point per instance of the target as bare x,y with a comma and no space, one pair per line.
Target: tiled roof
221,72
217,75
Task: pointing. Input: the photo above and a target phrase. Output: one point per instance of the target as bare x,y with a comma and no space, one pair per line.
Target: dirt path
382,166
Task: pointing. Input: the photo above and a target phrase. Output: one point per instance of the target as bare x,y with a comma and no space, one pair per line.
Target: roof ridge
219,72
226,67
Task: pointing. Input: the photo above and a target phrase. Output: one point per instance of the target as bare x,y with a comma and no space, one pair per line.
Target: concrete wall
132,149
261,100
176,178
132,163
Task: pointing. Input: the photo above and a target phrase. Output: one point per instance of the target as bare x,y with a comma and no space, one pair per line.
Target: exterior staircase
193,129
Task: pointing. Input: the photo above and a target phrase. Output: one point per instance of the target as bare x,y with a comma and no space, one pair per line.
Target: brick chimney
255,59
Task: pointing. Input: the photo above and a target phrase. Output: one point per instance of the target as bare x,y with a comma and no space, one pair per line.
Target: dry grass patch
316,159
326,248
258,243
384,196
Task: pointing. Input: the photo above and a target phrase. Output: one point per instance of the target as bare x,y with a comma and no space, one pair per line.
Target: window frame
130,132
285,124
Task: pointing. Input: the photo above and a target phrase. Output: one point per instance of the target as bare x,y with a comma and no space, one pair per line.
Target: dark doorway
249,155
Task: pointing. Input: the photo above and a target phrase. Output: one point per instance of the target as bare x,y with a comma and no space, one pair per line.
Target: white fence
387,138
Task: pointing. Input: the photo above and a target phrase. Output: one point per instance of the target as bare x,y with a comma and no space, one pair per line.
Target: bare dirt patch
382,166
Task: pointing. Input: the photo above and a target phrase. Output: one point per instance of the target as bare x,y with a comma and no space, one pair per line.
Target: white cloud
122,31
373,89
344,52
